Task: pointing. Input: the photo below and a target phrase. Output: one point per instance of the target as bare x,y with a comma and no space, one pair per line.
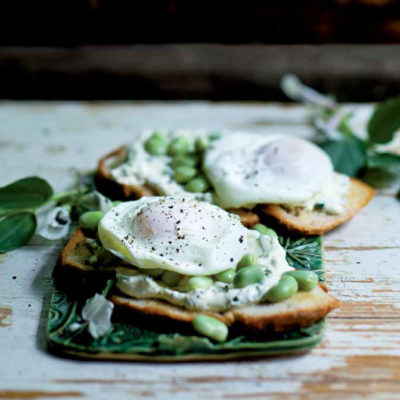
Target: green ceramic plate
67,334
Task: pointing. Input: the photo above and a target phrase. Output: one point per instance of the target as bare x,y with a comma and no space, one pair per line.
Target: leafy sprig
18,202
29,206
350,154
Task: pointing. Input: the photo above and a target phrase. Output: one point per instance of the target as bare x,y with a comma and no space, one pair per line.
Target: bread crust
107,185
307,222
302,309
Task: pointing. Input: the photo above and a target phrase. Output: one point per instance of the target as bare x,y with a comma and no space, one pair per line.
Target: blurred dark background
182,49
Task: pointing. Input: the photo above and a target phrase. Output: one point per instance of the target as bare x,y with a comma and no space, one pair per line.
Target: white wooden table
360,357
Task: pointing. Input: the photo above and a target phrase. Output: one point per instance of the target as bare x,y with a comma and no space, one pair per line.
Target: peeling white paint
366,280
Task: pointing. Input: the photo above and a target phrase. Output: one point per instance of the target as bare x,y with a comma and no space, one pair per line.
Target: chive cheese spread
220,296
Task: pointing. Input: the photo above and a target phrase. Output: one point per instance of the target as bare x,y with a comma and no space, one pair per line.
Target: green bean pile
186,164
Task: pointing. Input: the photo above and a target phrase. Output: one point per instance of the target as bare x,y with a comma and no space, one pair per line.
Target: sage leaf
382,160
385,121
26,193
16,230
348,155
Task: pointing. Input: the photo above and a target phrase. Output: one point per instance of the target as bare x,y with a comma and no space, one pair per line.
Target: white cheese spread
220,296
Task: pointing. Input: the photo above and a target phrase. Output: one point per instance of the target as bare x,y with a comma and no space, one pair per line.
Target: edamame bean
248,276
284,289
201,144
226,276
170,278
105,257
153,272
178,146
264,230
184,174
90,220
246,260
156,146
198,282
160,136
184,161
215,136
197,185
306,280
211,327
92,259
92,244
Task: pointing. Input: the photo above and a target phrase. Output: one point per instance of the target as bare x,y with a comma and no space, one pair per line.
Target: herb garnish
350,154
29,206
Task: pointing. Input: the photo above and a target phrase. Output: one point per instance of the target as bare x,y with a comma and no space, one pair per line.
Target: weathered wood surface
360,357
354,72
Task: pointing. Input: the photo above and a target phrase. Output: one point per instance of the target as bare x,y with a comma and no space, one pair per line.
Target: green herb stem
59,197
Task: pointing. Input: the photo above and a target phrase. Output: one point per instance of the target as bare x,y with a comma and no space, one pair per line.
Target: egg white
247,169
174,233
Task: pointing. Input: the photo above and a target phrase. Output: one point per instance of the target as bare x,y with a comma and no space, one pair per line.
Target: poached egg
178,234
247,169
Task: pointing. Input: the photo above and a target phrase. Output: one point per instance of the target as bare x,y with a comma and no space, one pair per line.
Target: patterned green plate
66,331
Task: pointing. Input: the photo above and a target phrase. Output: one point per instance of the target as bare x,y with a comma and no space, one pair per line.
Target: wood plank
197,71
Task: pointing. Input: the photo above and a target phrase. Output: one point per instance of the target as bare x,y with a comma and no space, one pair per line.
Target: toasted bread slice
107,185
302,309
298,220
307,222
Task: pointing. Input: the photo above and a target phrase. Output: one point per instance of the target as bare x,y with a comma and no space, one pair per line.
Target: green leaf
344,126
16,230
348,155
382,160
305,253
385,121
25,193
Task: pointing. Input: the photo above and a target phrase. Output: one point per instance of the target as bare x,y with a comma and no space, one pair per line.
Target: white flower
97,312
296,90
53,222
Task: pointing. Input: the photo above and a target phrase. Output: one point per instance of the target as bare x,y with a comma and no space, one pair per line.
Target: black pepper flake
177,250
161,255
241,239
171,207
153,248
61,218
231,259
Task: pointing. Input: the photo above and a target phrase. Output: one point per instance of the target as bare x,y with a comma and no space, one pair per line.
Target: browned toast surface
313,222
